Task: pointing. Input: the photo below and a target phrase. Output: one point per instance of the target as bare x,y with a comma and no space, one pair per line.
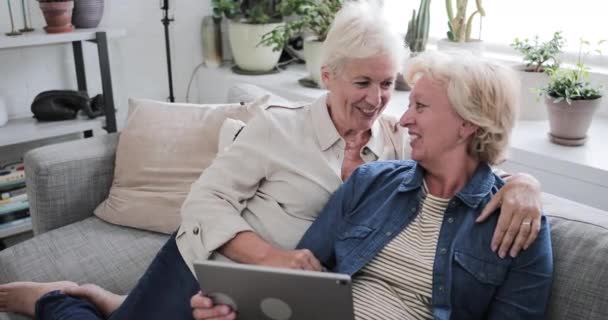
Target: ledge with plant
571,100
538,56
311,19
249,21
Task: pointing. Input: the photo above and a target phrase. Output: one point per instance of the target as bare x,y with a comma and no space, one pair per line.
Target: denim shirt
470,281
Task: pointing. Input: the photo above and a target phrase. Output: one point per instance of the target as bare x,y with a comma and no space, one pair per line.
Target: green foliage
250,11
418,27
537,54
459,25
572,84
314,16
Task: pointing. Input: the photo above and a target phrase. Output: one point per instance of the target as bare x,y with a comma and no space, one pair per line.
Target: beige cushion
162,150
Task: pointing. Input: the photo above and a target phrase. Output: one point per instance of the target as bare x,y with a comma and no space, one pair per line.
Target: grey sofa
66,182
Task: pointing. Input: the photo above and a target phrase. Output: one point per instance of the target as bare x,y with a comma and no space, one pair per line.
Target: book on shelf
14,215
14,205
9,207
15,227
12,193
12,178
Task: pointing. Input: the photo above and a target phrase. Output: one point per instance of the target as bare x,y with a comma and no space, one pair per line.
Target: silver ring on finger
526,223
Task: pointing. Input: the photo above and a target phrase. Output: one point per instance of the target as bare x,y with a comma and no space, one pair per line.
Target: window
507,19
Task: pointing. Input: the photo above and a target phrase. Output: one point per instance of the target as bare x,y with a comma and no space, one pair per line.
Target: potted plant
571,102
313,19
416,37
460,26
249,21
58,15
538,58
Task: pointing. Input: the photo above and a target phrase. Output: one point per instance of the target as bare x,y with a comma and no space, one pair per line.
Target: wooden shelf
15,227
29,129
39,37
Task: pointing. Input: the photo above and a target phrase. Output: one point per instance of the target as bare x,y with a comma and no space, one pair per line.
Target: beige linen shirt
275,178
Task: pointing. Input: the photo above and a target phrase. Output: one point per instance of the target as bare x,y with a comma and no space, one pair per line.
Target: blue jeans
163,292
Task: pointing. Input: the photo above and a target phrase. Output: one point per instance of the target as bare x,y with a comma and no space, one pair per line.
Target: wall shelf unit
20,130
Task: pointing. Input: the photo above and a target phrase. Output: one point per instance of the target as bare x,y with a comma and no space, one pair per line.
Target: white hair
482,92
361,30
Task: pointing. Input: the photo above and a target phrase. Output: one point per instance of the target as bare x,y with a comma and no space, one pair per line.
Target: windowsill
588,163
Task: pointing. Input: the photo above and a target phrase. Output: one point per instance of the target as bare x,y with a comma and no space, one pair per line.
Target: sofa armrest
66,181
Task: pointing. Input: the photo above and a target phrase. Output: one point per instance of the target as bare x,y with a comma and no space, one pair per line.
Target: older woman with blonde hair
406,231
253,204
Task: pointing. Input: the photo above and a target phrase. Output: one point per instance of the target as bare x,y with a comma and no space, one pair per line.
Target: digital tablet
258,293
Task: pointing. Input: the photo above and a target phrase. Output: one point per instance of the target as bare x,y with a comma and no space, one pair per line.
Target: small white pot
531,107
3,112
312,55
475,47
247,52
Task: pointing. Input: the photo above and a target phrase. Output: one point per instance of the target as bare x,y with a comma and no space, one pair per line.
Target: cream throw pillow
162,150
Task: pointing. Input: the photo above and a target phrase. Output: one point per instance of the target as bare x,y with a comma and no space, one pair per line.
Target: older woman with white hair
253,204
406,231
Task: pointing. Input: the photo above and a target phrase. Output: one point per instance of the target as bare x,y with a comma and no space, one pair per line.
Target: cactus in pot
460,24
418,28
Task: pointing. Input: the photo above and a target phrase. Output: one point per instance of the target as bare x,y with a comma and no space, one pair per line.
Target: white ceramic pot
531,107
247,51
569,123
475,47
312,55
3,112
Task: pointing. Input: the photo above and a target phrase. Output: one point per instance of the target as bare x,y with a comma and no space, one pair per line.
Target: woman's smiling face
360,91
435,129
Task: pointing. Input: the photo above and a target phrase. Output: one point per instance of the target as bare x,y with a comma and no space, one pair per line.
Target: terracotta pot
569,123
58,16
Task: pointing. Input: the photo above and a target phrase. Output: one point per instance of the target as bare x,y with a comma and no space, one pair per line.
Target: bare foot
106,301
21,297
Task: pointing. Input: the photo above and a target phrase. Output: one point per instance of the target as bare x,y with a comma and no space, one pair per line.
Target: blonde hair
482,92
361,30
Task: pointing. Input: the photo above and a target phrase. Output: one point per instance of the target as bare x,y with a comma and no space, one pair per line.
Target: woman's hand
519,222
248,247
294,259
204,309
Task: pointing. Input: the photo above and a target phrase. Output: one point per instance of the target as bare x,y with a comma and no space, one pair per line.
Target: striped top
397,283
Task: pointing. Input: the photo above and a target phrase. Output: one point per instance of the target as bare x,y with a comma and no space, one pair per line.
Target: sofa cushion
89,251
579,236
161,152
